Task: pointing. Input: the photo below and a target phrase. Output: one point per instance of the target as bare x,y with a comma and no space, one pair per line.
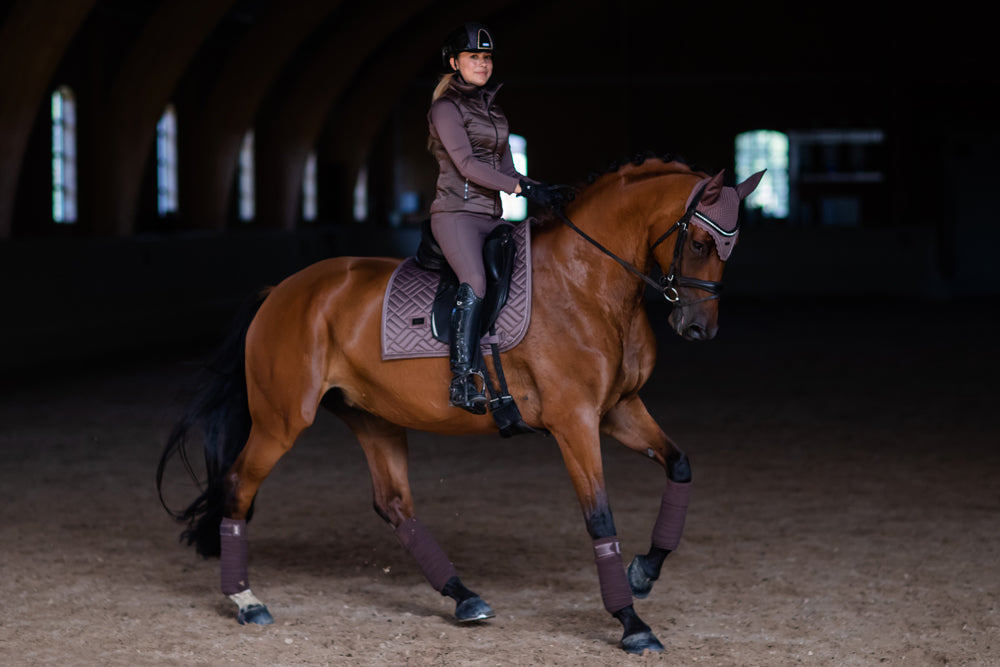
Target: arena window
765,149
64,194
166,162
515,208
361,195
247,196
309,196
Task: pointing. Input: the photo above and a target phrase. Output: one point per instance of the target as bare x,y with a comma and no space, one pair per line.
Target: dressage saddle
499,251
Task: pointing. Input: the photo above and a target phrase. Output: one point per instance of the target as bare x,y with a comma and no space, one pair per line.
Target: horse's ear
749,185
713,189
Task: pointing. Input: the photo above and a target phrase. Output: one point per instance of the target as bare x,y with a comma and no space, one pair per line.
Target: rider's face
475,68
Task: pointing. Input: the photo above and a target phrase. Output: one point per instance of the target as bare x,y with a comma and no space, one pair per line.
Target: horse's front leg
631,424
581,450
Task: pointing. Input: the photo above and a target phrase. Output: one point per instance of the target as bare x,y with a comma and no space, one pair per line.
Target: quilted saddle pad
409,298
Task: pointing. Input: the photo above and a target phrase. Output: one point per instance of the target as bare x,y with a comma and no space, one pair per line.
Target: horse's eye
698,247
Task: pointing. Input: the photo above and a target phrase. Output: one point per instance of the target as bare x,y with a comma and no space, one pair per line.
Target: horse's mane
635,160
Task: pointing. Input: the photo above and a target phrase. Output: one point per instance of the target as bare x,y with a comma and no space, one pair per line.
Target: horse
313,339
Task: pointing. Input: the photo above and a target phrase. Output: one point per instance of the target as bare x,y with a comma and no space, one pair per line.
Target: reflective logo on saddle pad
409,299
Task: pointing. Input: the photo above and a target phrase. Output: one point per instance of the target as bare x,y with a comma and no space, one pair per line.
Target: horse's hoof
641,641
640,584
256,614
473,609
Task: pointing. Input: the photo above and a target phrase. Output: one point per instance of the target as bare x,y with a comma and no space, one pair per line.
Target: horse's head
705,238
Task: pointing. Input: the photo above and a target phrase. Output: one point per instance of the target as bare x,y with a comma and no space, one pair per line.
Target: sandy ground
846,512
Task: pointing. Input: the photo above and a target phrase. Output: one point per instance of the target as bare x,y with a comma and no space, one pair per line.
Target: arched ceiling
300,70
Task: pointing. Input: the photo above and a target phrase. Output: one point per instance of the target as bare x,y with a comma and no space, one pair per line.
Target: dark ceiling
304,74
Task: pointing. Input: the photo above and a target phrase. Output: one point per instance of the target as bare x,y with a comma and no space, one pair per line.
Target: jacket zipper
493,153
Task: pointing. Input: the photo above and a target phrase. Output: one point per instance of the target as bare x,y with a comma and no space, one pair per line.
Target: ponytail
442,86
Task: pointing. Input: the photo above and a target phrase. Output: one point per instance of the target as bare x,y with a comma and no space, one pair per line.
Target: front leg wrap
615,592
673,511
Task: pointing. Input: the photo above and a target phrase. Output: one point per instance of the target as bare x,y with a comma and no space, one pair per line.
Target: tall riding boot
465,330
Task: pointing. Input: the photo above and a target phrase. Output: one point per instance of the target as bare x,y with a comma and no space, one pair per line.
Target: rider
468,137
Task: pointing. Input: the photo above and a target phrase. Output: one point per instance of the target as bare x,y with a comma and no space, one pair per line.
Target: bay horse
314,339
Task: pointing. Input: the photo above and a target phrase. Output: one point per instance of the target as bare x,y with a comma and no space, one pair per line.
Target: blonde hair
442,86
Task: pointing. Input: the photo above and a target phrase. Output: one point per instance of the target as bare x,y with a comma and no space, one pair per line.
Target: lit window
765,149
166,162
63,156
309,208
247,207
361,195
515,207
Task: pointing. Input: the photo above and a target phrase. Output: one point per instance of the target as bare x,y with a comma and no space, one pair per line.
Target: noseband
669,283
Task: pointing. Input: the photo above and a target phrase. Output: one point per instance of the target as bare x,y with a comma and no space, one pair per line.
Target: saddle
499,251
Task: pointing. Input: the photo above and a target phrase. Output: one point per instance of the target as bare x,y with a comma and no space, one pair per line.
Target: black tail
220,406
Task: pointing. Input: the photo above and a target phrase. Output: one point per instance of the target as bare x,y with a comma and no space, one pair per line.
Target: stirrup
463,393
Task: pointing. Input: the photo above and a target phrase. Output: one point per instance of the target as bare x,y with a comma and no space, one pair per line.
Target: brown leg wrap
420,544
615,592
673,510
233,559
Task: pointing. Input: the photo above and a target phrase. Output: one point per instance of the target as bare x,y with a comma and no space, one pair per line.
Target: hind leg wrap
233,556
431,559
233,573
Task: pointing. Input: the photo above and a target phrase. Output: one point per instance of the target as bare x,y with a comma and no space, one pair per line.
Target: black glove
549,196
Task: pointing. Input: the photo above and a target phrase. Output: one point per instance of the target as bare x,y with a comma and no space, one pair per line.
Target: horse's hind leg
631,424
255,462
385,449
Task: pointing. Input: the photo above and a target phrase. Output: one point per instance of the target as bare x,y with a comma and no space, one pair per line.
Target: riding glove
550,196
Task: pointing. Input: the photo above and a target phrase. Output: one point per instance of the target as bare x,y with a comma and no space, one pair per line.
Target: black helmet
471,38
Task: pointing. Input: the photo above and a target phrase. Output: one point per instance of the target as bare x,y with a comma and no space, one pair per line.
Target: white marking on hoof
245,599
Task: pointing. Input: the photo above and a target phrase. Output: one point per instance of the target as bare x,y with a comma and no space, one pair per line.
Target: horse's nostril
695,332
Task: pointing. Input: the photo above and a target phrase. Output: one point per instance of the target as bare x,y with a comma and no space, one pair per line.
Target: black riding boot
465,329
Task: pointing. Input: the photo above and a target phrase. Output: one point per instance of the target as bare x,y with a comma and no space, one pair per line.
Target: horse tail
220,407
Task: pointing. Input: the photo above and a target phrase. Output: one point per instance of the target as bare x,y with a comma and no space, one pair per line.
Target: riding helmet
470,37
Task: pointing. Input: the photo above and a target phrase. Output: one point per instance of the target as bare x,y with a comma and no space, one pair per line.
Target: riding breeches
460,236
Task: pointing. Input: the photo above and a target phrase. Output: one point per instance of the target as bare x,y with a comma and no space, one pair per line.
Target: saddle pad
409,298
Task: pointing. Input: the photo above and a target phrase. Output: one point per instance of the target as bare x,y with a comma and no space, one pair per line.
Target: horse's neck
623,213
576,266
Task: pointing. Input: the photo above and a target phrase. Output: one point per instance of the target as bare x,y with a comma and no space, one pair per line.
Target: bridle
669,283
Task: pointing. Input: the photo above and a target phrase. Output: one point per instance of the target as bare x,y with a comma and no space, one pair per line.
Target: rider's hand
549,196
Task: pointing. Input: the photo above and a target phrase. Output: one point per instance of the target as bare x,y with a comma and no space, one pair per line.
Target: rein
667,286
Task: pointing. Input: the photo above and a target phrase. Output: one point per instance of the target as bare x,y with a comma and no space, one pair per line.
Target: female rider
468,137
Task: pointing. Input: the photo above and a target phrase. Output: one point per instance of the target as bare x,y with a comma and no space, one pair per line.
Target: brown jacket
468,137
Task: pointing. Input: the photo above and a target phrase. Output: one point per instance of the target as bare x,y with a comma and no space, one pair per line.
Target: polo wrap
420,544
233,557
615,591
673,510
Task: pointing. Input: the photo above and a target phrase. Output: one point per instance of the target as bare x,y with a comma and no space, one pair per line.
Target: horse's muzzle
693,326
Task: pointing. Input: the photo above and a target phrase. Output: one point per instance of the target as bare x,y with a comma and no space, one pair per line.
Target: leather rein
668,284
